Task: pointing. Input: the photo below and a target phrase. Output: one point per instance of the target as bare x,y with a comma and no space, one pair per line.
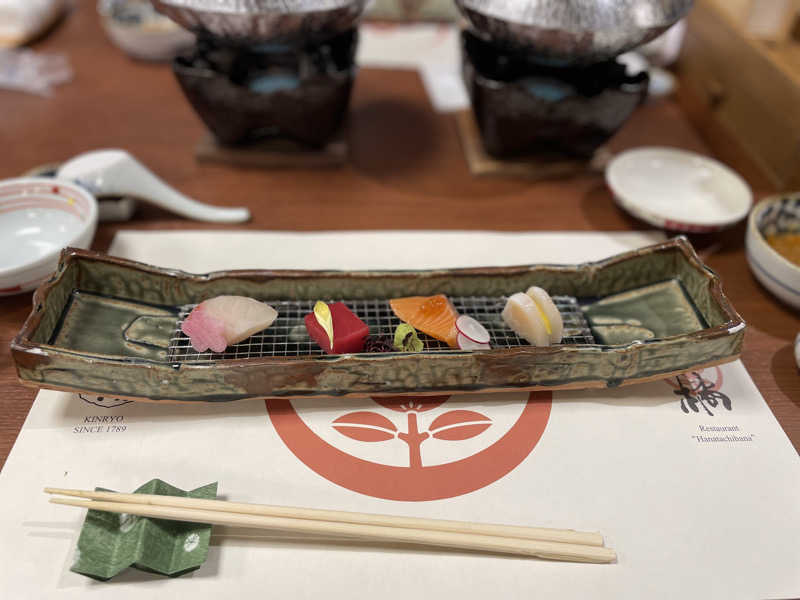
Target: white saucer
38,218
678,190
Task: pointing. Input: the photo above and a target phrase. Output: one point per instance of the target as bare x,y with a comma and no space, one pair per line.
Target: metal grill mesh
287,335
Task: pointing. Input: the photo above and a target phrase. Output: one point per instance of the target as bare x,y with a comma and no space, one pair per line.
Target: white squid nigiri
225,320
550,314
522,315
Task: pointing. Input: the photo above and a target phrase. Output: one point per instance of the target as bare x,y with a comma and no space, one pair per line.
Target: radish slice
470,328
465,343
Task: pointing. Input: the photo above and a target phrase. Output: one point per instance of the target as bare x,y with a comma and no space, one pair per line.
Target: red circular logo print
414,448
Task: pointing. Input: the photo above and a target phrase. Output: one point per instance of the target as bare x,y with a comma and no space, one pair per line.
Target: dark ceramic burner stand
546,116
271,105
533,167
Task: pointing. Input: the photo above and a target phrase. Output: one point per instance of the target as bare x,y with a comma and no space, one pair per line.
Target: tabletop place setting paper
692,481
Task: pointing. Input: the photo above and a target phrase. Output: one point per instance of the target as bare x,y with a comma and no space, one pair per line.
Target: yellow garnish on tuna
323,315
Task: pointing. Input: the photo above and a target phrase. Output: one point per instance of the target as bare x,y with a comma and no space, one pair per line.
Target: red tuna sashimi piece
348,330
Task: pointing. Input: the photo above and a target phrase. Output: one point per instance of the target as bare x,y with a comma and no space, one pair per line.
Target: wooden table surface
406,171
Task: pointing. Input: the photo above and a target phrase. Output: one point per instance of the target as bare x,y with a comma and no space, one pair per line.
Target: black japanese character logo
697,390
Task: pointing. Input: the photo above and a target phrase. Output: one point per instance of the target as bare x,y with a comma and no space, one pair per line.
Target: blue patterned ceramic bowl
777,214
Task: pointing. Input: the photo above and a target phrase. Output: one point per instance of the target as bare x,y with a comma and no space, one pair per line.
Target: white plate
38,217
678,190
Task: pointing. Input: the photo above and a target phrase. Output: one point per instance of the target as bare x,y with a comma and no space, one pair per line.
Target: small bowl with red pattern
39,216
678,190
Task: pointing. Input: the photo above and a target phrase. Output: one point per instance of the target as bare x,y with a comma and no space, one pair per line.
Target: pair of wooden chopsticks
553,544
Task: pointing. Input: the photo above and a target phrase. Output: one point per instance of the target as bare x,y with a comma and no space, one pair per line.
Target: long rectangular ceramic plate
107,326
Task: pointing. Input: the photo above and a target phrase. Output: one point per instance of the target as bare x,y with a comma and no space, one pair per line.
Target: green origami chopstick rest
110,542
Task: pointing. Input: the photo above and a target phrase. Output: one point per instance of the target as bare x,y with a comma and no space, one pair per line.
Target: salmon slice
433,315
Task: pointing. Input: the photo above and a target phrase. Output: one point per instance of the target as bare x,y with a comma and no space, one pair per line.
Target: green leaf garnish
406,339
322,313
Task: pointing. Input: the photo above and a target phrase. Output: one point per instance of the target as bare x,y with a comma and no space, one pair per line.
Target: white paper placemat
698,493
434,50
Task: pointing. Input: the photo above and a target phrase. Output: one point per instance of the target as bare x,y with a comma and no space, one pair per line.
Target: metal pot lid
584,15
292,22
257,7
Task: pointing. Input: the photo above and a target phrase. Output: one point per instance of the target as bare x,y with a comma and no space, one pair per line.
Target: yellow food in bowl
787,245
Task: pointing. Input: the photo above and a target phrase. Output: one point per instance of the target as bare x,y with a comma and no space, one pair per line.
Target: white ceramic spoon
117,173
797,350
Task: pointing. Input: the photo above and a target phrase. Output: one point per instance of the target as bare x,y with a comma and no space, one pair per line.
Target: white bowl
38,217
678,190
776,214
151,36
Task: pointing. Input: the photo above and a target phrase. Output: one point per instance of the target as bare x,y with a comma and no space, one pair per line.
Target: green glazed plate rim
723,340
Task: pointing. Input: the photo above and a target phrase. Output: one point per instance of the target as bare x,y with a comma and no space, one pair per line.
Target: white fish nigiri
552,317
219,322
522,315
